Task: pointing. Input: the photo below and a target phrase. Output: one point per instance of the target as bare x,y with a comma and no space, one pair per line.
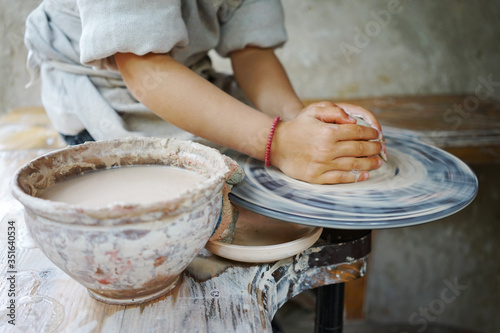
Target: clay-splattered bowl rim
61,164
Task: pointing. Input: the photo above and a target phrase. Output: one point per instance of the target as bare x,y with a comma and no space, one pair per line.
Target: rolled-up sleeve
134,26
257,23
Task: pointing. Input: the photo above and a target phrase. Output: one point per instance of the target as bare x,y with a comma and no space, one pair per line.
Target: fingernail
351,118
380,162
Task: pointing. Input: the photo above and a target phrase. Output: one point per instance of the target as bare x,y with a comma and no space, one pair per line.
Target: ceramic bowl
124,254
261,239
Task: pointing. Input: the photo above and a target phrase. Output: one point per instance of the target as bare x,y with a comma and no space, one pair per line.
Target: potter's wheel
418,184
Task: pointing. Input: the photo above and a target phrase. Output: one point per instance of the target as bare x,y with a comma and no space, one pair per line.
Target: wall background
422,47
13,73
428,47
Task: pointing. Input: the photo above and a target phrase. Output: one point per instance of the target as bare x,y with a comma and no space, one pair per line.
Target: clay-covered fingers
352,132
355,110
359,163
342,170
341,177
355,149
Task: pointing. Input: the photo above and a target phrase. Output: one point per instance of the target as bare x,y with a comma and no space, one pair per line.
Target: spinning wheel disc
419,183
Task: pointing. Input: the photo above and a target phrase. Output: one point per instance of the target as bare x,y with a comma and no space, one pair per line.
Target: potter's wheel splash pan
418,184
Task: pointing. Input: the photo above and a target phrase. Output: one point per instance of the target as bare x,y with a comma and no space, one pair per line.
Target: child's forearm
263,79
319,144
181,97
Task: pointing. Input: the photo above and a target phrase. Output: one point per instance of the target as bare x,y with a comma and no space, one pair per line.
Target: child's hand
323,145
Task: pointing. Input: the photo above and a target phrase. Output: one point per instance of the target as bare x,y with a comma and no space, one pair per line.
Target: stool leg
330,309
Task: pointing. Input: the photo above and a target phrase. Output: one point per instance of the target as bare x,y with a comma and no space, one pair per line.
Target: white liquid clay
126,185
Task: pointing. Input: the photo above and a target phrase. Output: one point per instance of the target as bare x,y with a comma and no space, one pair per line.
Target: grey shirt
187,29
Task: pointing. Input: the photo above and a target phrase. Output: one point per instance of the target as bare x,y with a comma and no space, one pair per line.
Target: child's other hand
356,110
324,145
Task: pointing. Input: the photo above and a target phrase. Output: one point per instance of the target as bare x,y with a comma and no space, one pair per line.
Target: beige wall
426,47
13,73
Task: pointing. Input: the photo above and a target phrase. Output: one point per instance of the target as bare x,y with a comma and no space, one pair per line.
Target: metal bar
330,309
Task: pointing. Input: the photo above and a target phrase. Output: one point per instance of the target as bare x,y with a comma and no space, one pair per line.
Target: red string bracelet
270,141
